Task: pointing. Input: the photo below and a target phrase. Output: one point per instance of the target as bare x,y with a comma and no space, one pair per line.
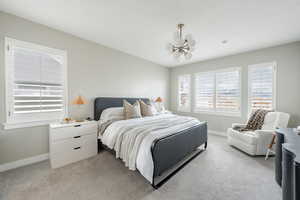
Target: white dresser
72,142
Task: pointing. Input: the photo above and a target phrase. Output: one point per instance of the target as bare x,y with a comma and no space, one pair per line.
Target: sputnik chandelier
182,46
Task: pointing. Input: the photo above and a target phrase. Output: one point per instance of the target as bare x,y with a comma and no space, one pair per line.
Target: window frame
274,83
11,123
184,108
214,111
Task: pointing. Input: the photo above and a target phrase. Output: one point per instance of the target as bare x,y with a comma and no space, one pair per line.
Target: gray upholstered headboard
101,103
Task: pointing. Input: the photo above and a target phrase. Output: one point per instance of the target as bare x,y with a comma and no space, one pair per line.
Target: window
205,91
184,94
218,92
262,86
228,91
35,82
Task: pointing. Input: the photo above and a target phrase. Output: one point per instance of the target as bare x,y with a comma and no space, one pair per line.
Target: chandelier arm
185,42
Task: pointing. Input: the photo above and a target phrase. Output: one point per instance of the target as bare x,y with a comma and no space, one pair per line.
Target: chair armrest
264,138
264,132
237,125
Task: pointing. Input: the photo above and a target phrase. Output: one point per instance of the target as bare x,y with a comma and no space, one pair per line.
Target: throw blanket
130,134
102,126
256,120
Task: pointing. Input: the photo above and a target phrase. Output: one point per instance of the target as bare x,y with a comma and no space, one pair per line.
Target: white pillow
148,109
270,121
115,113
160,108
154,110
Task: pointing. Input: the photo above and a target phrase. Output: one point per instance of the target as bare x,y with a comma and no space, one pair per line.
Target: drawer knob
77,125
76,148
77,136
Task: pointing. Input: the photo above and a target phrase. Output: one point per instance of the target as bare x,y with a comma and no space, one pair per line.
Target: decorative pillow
159,107
147,110
132,111
115,113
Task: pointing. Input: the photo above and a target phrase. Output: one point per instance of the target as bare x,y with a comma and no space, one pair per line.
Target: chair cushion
270,121
249,137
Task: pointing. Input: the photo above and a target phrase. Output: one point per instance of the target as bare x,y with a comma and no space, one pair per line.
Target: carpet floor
219,173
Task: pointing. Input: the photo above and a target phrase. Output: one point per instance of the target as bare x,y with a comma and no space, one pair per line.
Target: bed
162,154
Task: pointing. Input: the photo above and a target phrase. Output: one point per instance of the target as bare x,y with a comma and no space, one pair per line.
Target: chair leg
270,146
267,155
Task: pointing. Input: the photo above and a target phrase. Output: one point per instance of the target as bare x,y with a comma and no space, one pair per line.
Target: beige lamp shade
158,100
79,100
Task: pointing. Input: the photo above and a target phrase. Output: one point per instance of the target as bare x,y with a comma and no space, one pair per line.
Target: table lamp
159,100
79,100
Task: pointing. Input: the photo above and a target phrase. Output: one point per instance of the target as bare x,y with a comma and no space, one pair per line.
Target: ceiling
143,27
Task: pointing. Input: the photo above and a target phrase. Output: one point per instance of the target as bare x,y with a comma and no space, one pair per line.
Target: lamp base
79,120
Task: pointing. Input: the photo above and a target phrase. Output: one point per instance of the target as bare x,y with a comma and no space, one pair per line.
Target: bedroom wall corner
93,71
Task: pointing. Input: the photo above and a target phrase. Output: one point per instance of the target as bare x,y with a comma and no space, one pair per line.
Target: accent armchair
256,142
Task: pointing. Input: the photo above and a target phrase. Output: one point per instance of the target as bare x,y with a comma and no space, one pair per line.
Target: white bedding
132,139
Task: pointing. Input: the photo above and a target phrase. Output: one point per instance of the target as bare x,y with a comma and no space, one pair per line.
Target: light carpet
219,173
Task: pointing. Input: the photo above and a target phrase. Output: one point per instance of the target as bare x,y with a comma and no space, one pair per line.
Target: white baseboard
23,162
219,133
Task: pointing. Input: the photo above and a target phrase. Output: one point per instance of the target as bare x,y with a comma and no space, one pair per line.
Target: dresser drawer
72,131
71,150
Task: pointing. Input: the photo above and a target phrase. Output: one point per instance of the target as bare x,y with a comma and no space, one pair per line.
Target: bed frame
169,153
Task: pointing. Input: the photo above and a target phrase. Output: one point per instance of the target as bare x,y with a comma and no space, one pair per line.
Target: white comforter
132,139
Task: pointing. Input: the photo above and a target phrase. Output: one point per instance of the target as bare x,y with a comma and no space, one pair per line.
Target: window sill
227,114
8,126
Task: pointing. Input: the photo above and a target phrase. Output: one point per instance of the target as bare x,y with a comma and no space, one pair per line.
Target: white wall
288,81
93,71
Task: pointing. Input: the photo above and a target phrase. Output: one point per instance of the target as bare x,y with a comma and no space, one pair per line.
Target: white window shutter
204,91
218,92
184,92
228,91
262,86
36,84
27,65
